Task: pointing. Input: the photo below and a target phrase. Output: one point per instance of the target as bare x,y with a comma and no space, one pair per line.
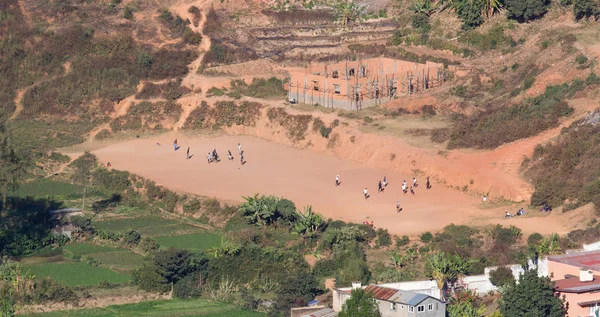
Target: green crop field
77,274
47,188
124,260
81,249
182,308
197,241
152,226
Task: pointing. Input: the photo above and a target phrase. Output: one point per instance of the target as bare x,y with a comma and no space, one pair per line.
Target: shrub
584,9
149,245
48,290
581,59
188,287
534,239
128,13
502,276
383,238
426,237
132,237
400,242
325,131
470,13
592,79
458,91
524,11
103,134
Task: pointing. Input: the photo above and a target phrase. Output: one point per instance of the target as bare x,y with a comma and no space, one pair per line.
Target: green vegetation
147,115
585,9
77,274
258,88
517,299
296,125
171,90
492,128
184,308
360,304
570,168
196,241
523,11
223,114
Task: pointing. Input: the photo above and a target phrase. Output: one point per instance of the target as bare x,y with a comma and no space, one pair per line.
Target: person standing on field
239,149
379,187
366,193
385,181
398,206
187,153
337,180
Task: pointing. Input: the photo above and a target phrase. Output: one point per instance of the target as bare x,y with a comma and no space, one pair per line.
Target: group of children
382,184
211,156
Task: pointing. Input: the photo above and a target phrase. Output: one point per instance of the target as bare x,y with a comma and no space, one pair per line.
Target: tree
502,277
260,210
469,11
348,11
309,222
172,264
12,165
360,304
465,309
445,270
533,296
295,291
526,10
82,175
585,9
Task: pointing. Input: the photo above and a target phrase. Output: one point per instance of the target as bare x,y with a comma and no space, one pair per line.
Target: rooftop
574,285
325,312
589,260
394,295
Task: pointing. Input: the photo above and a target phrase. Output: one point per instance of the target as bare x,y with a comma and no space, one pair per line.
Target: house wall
559,270
592,246
421,287
339,298
574,310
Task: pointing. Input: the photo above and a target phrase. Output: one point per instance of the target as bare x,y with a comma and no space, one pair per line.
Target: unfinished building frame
353,85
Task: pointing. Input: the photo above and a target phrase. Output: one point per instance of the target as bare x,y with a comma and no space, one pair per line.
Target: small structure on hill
353,85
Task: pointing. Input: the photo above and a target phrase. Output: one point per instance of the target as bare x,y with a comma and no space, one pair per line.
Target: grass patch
119,259
188,308
197,241
77,274
147,225
81,249
47,188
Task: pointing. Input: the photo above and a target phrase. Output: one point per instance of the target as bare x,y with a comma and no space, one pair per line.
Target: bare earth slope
307,178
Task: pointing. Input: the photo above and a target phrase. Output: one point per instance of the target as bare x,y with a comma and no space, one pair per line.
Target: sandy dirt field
308,178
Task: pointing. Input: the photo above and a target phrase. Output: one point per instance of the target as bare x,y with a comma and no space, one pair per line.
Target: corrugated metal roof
395,295
326,312
382,293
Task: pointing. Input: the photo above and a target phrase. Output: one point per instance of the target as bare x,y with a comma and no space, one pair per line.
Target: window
351,72
430,307
315,85
392,306
336,89
411,309
335,74
420,309
363,71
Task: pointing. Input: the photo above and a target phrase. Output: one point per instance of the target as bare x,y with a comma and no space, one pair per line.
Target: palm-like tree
226,248
549,246
446,270
348,11
400,261
422,7
308,222
465,309
259,210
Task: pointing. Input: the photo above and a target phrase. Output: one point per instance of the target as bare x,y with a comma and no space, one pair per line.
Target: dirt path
307,178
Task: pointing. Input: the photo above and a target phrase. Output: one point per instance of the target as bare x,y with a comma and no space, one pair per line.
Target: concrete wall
421,287
301,311
592,246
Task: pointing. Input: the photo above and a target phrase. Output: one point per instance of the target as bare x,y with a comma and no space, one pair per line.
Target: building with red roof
577,278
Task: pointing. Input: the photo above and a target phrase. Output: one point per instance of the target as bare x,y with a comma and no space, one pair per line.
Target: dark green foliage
400,242
26,226
426,237
502,277
360,304
172,264
459,240
113,181
592,79
50,291
148,279
532,296
585,9
188,287
458,91
295,291
128,13
565,3
383,238
171,90
526,10
492,128
132,237
534,239
83,223
420,22
254,263
470,13
12,165
149,245
570,168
